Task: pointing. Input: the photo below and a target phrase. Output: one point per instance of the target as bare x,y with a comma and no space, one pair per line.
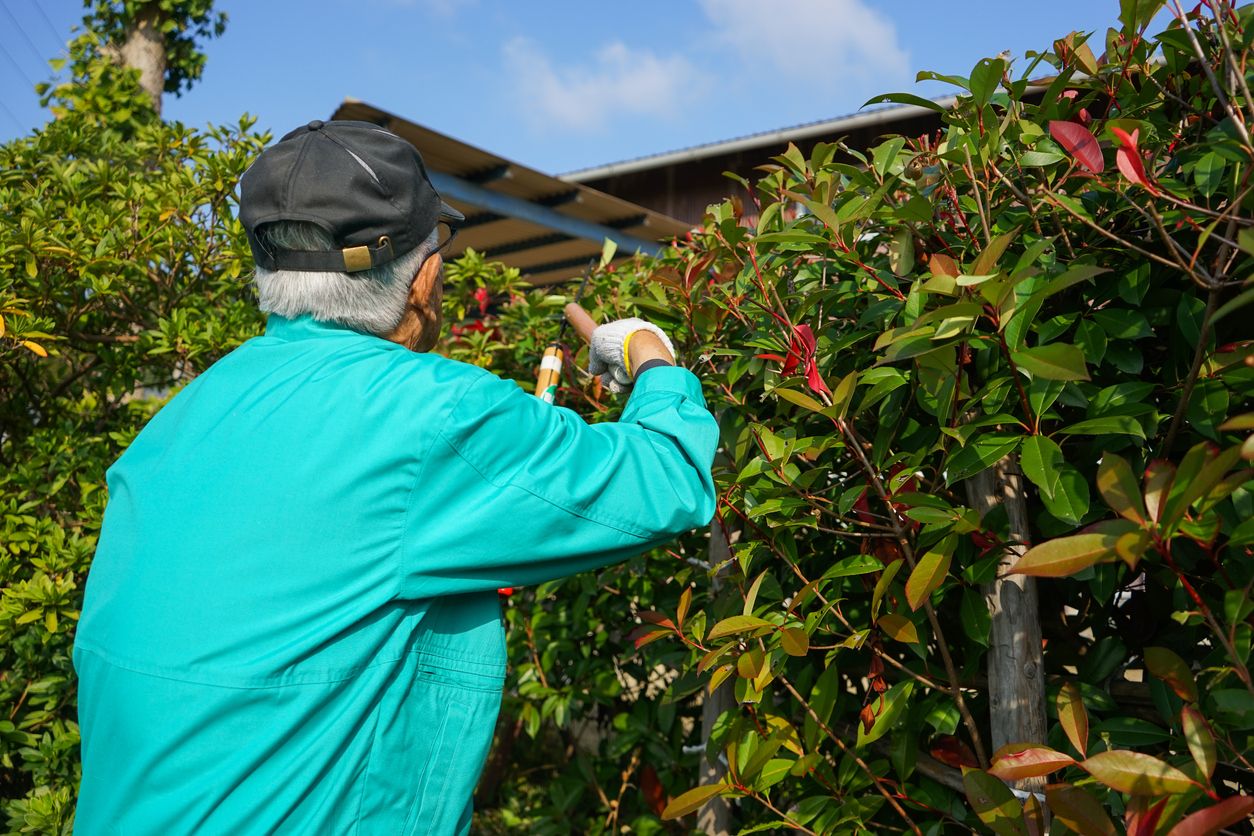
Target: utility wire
39,56
21,128
56,36
12,61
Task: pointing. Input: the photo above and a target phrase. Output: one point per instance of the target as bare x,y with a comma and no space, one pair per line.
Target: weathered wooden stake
715,818
1016,681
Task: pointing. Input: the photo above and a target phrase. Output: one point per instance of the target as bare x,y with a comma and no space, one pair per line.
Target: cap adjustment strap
346,260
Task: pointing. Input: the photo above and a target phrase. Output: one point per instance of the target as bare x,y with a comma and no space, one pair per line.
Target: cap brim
450,215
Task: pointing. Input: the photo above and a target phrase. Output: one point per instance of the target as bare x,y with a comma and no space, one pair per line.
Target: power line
39,56
5,50
16,121
56,36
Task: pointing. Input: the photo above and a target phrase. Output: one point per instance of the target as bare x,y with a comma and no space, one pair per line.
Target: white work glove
608,355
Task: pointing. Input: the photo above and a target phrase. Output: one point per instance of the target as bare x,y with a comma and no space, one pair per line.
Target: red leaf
777,358
1128,159
653,617
1079,142
505,591
1214,818
483,298
1143,822
652,790
952,751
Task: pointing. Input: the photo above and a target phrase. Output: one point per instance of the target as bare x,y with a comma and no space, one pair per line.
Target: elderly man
291,624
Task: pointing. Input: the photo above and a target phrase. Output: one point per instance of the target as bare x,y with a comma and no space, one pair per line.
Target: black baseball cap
364,185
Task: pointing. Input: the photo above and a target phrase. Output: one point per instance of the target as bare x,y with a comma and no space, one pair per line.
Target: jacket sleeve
514,491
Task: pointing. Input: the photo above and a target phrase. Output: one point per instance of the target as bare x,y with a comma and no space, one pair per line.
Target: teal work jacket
291,623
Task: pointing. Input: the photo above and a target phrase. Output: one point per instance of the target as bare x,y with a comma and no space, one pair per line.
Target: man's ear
422,287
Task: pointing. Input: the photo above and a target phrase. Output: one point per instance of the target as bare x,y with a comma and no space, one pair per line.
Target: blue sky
560,85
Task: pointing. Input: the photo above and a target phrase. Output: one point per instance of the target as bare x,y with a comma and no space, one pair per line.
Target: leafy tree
1009,350
121,276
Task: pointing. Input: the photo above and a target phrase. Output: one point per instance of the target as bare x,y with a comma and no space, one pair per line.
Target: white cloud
618,81
833,42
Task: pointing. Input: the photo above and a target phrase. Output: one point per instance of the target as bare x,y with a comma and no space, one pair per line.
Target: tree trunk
144,50
715,818
1016,682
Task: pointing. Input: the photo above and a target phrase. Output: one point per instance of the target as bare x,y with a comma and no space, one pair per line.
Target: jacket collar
305,328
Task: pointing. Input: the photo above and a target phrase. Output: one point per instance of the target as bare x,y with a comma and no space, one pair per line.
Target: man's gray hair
371,300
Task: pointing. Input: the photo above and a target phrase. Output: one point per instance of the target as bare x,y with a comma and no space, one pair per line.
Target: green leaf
906,99
737,624
692,800
1039,158
1056,361
1041,460
930,572
993,802
894,701
1135,15
1109,425
1208,173
1136,773
1071,502
978,455
858,564
985,78
1065,556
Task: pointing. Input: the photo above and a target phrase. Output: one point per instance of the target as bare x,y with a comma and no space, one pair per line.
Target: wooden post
715,818
1016,681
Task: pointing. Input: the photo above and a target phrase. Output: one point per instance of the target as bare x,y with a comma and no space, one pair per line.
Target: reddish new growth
801,356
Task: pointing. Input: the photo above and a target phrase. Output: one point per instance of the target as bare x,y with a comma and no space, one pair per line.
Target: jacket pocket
455,729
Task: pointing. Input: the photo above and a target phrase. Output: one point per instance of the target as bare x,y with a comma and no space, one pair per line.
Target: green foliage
1044,286
122,274
183,24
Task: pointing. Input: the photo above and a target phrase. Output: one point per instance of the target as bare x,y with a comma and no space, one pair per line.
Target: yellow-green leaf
1073,717
32,269
1119,487
685,601
1173,670
881,586
1136,773
993,802
795,640
1065,556
691,801
1027,760
800,399
1201,741
929,572
737,624
899,628
750,663
986,263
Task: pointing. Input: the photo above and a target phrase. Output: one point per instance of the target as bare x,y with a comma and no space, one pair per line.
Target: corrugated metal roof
796,133
551,237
